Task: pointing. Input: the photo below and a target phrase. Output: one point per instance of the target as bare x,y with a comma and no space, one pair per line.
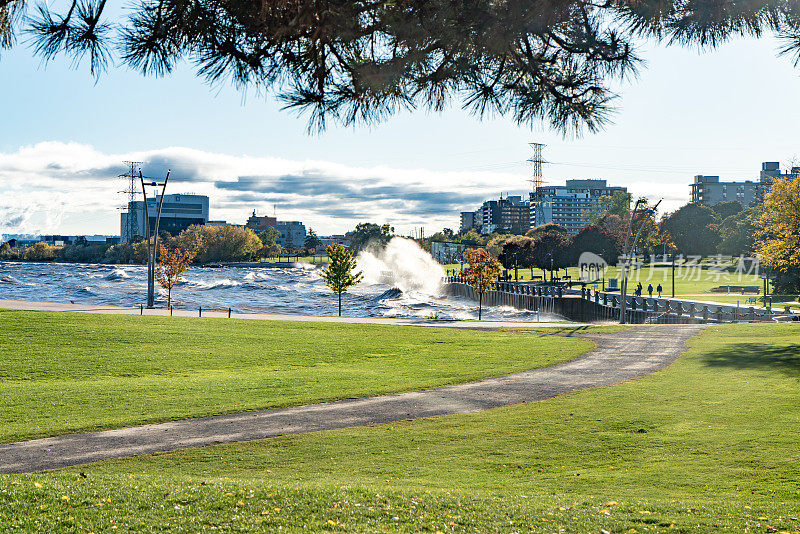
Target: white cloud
55,187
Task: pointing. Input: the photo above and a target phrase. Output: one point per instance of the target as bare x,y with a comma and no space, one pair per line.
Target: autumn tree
340,274
219,243
171,264
779,234
481,272
40,251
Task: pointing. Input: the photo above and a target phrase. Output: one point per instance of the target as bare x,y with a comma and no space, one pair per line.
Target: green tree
618,203
727,208
739,232
312,242
340,274
269,236
363,60
693,229
481,272
370,234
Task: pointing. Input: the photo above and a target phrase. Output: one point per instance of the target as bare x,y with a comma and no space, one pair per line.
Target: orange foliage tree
171,265
482,271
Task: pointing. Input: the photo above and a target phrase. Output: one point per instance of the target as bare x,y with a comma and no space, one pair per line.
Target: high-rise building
568,205
178,212
709,190
510,215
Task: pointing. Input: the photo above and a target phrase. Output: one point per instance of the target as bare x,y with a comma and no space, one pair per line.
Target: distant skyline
64,139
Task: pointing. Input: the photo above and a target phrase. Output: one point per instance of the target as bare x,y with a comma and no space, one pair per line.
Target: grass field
709,444
69,372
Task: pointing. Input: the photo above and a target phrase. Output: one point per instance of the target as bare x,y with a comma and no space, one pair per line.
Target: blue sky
721,112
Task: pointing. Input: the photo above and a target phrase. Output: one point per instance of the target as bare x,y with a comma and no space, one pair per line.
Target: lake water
298,290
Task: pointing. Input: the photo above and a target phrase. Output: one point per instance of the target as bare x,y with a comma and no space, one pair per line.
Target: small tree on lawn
483,269
170,266
339,275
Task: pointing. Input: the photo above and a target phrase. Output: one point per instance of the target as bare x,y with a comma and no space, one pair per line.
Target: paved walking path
618,357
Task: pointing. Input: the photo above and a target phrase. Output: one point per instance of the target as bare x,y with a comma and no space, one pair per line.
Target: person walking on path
639,290
659,289
650,290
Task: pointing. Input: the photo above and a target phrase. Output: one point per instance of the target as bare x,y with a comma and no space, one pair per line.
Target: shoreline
36,305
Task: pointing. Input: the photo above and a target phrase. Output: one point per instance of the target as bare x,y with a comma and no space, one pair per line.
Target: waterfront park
601,379
113,420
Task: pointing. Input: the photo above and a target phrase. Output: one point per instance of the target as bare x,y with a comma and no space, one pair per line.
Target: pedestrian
650,289
639,290
659,289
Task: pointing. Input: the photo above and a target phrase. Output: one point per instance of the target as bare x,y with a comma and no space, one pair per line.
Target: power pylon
134,169
537,161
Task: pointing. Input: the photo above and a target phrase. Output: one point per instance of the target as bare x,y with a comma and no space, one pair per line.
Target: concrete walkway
162,312
618,357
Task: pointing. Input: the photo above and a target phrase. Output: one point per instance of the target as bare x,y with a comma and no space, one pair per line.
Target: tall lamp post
151,254
623,290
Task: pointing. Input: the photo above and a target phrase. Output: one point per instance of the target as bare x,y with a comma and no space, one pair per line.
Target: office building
569,205
178,212
510,215
291,234
709,190
260,224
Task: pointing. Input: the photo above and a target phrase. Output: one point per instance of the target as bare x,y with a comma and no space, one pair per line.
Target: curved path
618,357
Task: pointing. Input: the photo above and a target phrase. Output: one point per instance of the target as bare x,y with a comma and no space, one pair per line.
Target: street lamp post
674,251
152,254
516,279
624,282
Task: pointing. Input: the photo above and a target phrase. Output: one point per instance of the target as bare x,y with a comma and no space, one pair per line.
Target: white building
568,205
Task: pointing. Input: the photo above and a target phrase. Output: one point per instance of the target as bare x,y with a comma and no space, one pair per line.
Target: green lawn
709,444
64,372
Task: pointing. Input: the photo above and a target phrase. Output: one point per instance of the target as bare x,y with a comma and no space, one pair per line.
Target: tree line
206,243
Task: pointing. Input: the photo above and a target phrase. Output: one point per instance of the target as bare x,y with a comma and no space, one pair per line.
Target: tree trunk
340,304
480,304
169,296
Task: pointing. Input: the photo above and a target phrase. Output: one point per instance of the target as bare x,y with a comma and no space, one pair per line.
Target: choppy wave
390,294
117,274
257,290
215,284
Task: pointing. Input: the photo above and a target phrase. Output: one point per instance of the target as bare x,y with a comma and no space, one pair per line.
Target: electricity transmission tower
132,176
537,161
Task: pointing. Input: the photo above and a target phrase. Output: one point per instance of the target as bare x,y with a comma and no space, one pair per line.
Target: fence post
229,313
170,310
141,309
705,314
200,311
